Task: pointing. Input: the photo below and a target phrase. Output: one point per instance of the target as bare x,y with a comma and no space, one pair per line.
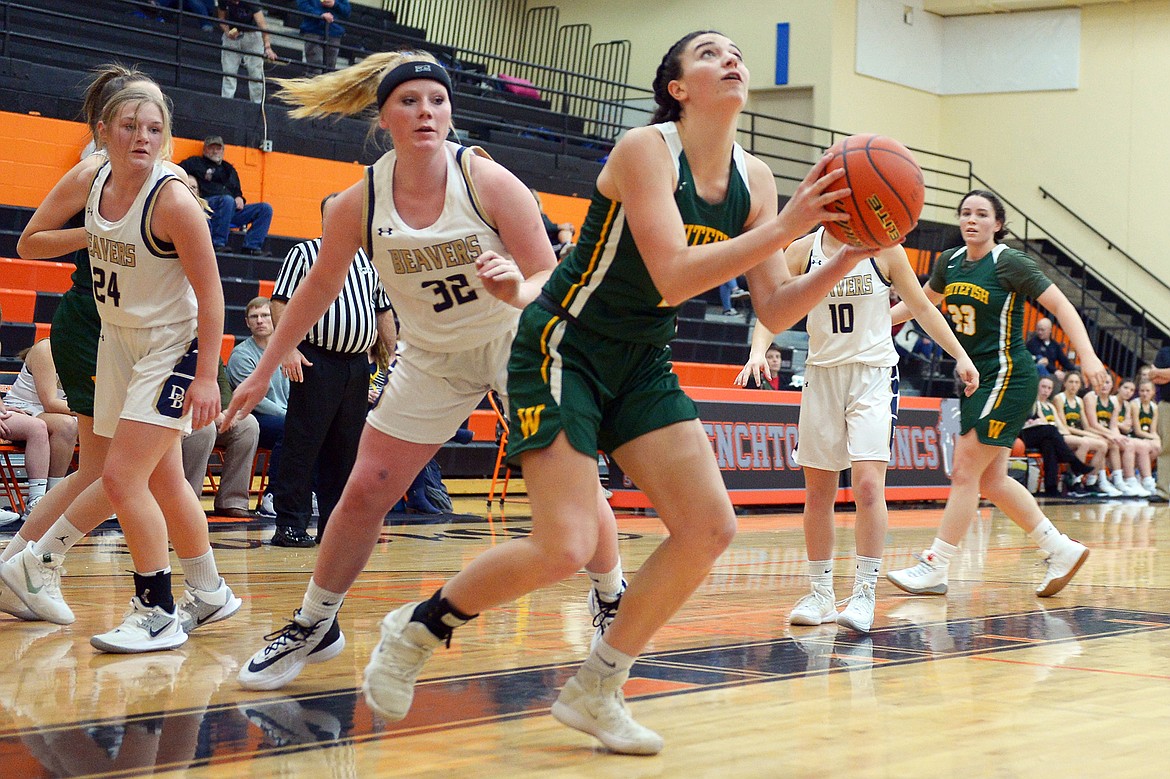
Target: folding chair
8,480
502,440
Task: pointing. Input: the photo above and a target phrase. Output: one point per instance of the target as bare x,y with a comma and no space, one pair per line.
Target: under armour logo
423,68
385,231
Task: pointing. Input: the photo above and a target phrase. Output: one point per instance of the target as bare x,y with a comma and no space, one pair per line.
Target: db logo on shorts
174,390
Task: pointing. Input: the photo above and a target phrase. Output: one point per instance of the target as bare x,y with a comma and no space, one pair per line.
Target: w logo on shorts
995,428
173,394
529,417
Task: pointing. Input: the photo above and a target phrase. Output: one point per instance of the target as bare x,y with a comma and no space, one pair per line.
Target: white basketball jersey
852,324
138,280
429,273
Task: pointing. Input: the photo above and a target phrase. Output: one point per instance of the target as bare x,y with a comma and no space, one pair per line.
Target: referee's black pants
326,414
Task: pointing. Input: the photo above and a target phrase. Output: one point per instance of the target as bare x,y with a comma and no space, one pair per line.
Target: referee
329,384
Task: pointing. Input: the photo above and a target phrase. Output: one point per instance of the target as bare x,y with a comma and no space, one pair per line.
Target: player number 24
450,291
104,287
963,318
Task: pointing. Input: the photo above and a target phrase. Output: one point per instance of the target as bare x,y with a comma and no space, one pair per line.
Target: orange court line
1020,639
638,685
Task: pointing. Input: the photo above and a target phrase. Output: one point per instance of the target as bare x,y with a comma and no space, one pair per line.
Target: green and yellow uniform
1145,417
985,306
591,356
74,336
1072,412
1105,411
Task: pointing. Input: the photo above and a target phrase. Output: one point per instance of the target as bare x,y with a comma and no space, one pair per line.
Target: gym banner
753,434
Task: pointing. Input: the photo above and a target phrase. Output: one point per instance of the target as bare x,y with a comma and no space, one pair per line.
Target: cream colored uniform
146,355
849,403
455,337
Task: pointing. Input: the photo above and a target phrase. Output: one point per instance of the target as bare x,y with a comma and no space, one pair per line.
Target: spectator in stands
219,185
203,8
1051,359
239,452
249,46
770,380
321,31
327,399
728,292
270,411
560,235
37,392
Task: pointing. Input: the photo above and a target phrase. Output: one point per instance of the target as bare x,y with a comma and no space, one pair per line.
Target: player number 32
451,291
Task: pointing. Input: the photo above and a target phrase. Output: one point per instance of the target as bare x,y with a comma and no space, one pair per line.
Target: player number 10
842,316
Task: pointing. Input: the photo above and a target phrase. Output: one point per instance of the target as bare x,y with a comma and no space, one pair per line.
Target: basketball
887,191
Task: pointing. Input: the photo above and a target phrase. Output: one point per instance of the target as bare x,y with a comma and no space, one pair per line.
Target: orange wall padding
38,151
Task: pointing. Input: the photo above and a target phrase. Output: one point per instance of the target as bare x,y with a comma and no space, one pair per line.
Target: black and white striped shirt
350,325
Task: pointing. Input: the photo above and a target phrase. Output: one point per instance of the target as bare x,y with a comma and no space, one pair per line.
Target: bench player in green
984,284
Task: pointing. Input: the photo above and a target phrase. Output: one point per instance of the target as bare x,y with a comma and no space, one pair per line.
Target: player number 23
963,318
450,291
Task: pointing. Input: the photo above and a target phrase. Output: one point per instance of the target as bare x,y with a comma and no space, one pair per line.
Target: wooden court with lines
988,681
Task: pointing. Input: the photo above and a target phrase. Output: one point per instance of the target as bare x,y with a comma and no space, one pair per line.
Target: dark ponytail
669,109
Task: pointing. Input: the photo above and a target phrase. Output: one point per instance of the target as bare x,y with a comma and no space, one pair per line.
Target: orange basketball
887,191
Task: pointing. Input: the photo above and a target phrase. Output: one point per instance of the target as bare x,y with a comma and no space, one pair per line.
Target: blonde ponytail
344,92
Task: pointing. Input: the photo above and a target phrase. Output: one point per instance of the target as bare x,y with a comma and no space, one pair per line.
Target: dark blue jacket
315,25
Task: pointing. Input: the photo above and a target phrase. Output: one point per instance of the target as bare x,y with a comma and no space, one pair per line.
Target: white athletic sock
58,539
605,661
608,584
820,573
54,481
14,547
942,552
36,488
867,570
320,604
201,572
1046,536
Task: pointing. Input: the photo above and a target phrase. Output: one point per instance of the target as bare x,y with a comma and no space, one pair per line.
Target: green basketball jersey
1104,410
985,300
1145,418
1072,413
603,284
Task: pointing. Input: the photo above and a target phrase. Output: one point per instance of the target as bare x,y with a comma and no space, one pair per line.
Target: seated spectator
772,379
1051,359
239,445
560,235
270,412
728,292
22,426
321,32
219,185
37,393
241,43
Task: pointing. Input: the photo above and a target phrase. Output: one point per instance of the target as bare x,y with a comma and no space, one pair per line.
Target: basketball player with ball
984,284
850,401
